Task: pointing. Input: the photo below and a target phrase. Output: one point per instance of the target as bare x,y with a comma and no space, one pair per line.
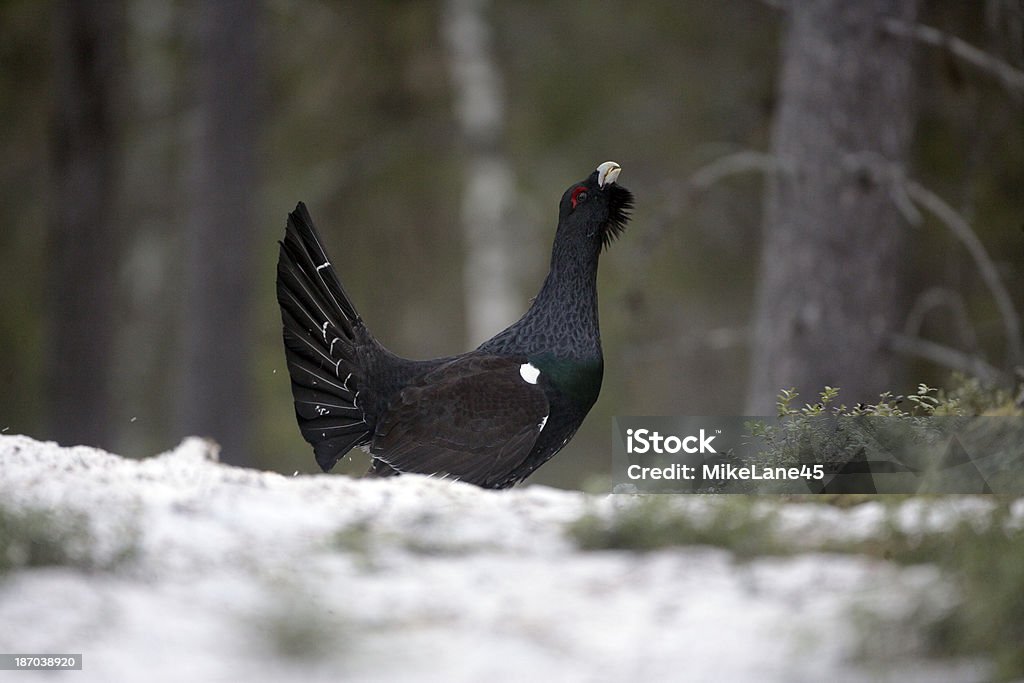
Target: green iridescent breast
580,381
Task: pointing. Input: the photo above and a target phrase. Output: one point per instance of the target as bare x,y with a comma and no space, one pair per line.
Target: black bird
489,417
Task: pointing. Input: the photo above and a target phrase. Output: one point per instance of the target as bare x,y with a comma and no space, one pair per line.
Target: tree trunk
219,278
88,60
834,247
489,283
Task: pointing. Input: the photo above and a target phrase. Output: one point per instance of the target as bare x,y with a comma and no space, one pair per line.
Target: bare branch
884,171
947,357
989,273
1011,78
942,297
678,193
906,194
732,164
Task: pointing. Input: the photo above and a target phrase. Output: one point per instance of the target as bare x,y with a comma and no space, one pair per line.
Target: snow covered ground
239,575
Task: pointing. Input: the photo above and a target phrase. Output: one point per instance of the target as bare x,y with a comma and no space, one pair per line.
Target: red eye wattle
578,195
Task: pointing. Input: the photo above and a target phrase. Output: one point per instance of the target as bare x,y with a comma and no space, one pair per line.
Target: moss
353,538
362,542
652,522
298,626
848,500
45,537
433,547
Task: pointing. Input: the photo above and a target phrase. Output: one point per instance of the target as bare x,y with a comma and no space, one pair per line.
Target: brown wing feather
472,419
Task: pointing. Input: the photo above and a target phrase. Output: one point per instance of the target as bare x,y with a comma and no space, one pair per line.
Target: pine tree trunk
219,279
85,241
834,245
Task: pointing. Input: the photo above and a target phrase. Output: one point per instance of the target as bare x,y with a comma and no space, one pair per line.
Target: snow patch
248,575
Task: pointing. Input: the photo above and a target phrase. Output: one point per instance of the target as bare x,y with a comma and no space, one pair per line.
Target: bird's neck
562,323
572,276
567,302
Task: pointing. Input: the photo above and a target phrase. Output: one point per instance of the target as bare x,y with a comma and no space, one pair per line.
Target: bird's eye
578,195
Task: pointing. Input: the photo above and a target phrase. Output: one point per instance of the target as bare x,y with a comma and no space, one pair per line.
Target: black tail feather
311,255
318,320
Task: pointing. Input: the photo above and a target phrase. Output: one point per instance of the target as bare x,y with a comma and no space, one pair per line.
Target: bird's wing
475,419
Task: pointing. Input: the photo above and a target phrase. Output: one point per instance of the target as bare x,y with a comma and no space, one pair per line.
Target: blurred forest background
151,150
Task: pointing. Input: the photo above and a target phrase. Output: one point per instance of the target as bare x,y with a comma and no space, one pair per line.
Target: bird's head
596,208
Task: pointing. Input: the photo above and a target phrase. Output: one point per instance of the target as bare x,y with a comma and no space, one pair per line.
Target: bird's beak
607,173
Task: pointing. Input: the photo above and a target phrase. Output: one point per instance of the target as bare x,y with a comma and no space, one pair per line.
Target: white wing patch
543,421
529,373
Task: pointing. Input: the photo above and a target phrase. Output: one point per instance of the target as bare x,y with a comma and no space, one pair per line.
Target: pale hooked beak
607,173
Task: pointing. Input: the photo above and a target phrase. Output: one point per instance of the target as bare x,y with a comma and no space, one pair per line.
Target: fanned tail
319,343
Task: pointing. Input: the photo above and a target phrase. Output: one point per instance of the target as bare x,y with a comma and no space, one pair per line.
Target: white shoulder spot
529,373
543,421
